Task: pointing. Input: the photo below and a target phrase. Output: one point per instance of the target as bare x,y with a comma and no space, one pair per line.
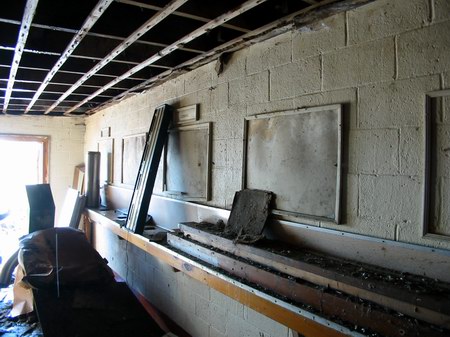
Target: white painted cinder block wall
65,146
379,60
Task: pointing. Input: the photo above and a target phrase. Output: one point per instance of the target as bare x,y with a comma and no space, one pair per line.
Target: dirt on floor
22,326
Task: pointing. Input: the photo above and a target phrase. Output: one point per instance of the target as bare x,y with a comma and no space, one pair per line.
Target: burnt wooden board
424,299
331,304
249,214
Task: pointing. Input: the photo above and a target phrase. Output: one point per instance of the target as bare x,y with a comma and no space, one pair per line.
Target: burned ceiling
74,57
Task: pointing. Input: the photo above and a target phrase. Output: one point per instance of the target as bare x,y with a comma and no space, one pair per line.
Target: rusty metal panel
301,150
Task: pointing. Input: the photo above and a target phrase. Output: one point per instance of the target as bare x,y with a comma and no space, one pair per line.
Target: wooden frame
172,183
131,159
106,148
282,151
185,115
429,164
78,178
43,140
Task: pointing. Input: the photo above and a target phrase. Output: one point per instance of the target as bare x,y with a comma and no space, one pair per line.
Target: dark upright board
140,201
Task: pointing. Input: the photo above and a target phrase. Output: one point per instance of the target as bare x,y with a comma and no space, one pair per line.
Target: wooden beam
176,45
432,309
92,18
331,304
149,24
308,324
182,14
30,10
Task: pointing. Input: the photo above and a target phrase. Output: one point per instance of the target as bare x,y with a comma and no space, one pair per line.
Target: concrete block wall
66,149
379,61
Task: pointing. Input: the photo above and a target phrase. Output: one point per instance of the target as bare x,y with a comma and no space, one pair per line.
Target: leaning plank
364,315
427,307
140,200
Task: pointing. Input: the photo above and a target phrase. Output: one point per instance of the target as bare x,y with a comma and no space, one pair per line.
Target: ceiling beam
30,10
54,92
149,24
31,51
76,56
180,14
41,99
174,46
92,18
92,34
60,83
71,72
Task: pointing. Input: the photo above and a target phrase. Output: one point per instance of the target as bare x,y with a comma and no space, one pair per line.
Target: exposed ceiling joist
30,10
95,35
61,84
92,58
71,72
31,51
174,46
149,24
92,18
54,92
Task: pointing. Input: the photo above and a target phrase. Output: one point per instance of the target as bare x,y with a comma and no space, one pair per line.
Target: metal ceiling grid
73,57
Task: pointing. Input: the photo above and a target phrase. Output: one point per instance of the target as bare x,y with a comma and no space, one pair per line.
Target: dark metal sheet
42,207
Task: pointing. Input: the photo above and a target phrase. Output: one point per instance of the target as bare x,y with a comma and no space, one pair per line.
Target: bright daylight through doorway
24,161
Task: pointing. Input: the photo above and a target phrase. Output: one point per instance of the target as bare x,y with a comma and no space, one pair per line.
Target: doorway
24,161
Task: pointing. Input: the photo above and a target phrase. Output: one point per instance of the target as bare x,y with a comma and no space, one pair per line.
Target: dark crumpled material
249,215
79,263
